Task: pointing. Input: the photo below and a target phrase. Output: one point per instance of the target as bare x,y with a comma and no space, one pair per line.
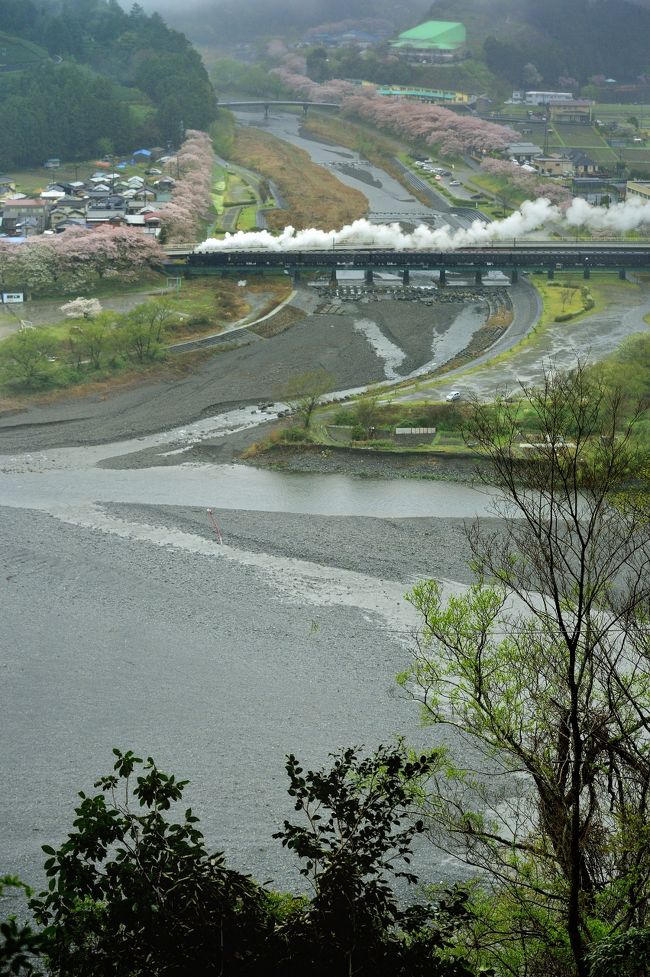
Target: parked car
453,395
454,183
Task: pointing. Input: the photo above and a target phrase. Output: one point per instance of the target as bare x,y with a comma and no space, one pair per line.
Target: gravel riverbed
126,624
215,660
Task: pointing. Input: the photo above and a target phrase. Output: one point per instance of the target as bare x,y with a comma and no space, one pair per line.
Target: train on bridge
513,258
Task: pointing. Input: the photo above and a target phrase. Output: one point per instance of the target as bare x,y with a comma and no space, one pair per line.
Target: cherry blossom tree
192,195
510,174
81,308
447,132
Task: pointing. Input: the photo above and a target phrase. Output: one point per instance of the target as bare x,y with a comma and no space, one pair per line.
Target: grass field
574,136
580,136
238,192
315,198
247,220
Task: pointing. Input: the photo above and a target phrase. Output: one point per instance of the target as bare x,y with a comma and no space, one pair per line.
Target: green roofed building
436,40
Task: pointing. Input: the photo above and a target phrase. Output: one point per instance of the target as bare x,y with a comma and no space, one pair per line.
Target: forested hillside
115,79
571,38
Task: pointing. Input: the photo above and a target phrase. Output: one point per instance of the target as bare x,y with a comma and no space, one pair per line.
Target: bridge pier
368,276
442,277
586,272
333,278
267,110
406,277
478,277
514,276
621,274
305,108
295,275
550,274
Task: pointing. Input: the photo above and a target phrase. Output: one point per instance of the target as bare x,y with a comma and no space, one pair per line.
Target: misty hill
106,80
223,22
571,38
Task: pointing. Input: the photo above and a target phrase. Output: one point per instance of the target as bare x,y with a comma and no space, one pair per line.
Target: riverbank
362,462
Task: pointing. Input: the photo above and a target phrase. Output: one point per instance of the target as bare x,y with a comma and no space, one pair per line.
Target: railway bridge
550,257
268,103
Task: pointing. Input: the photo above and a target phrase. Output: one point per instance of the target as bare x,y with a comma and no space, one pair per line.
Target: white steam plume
531,216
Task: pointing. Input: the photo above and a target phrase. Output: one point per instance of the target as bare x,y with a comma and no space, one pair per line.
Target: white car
453,395
454,183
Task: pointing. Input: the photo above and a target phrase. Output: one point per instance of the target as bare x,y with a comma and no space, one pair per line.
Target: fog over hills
561,37
240,19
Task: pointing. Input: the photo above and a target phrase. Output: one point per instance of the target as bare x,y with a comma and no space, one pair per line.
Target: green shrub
296,435
565,316
344,416
383,443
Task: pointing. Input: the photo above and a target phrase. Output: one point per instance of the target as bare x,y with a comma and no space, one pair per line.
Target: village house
524,152
26,214
147,223
554,165
7,187
109,209
68,210
583,164
574,111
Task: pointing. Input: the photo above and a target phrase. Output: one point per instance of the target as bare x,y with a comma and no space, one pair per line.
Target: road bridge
268,103
549,258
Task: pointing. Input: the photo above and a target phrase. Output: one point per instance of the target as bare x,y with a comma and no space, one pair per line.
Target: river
387,198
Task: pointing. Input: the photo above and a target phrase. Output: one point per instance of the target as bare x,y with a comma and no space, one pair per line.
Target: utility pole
547,117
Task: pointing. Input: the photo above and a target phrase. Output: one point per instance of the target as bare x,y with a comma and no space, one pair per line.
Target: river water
65,477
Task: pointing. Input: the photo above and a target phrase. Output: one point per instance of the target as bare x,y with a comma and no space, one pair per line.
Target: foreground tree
133,893
544,667
304,392
356,837
20,945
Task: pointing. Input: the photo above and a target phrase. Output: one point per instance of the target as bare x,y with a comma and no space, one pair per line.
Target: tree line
75,109
96,343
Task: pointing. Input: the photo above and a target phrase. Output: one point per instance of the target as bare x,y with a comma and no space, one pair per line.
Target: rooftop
442,35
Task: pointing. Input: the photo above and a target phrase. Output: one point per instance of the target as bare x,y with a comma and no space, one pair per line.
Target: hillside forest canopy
70,106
